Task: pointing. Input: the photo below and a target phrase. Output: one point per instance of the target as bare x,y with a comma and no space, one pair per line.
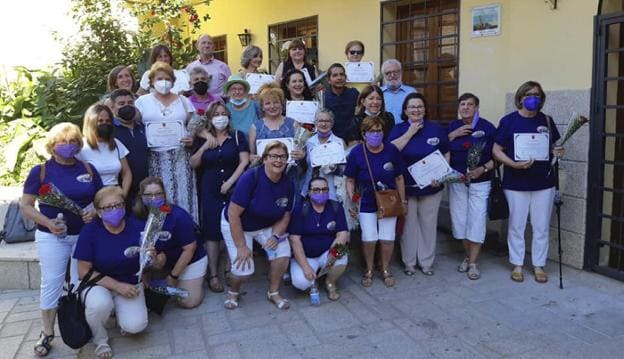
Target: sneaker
463,267
473,272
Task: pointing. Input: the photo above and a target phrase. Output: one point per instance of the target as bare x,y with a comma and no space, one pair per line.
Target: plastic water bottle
315,296
382,186
60,223
271,253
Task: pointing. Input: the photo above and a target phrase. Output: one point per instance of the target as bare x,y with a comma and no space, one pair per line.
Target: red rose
308,126
333,252
467,145
165,208
201,112
45,189
356,197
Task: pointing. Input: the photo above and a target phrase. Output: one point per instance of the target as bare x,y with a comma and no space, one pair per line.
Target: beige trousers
418,243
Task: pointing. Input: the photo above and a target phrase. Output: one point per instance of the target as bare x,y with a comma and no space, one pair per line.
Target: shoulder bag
388,200
497,203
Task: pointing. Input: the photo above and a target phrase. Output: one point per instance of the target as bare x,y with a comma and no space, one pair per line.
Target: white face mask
220,122
163,87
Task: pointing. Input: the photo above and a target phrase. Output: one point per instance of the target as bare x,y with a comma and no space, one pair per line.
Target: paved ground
444,316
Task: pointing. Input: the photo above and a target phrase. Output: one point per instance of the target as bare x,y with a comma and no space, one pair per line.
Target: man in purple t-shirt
219,70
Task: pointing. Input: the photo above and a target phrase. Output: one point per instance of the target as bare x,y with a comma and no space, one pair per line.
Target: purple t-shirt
538,176
317,230
265,201
202,104
180,224
428,139
483,132
105,250
386,166
75,183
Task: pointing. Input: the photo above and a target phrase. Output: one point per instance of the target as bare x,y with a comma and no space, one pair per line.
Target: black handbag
497,203
72,322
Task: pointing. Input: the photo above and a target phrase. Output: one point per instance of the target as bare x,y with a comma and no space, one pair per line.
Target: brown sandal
332,291
540,275
388,279
517,275
215,284
367,279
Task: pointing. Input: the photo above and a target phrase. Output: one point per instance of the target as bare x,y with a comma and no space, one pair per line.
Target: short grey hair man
393,88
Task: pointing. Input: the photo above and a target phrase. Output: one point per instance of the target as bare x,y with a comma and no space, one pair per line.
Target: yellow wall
553,47
339,22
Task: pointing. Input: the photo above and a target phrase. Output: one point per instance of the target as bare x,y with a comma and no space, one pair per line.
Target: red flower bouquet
336,252
49,194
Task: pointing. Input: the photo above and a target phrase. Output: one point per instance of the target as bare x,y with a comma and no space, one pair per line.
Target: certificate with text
360,71
331,153
431,168
302,111
164,134
257,80
531,146
288,141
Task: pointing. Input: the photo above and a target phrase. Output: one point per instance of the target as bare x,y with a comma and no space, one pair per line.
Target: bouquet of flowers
196,123
161,287
475,150
454,177
574,124
336,252
303,131
150,235
49,194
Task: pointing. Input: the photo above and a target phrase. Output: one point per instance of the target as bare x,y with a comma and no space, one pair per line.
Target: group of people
217,188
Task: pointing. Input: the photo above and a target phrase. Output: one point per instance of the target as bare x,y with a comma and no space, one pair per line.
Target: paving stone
300,334
10,346
7,304
226,351
157,351
16,317
187,339
15,328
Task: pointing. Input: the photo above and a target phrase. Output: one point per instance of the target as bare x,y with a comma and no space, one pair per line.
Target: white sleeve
181,82
123,151
188,105
145,81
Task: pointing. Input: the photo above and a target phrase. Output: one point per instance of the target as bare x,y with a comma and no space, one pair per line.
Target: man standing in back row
394,90
218,70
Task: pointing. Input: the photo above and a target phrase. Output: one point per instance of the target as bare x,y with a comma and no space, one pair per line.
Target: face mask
373,139
104,131
163,87
368,113
324,134
238,102
113,217
154,202
531,103
126,113
220,122
319,198
66,150
200,88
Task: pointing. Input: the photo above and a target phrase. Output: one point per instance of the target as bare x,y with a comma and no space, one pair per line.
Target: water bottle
315,296
381,186
60,223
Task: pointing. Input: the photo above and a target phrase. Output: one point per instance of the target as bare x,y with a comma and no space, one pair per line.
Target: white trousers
299,280
539,205
131,313
374,229
468,207
53,254
261,236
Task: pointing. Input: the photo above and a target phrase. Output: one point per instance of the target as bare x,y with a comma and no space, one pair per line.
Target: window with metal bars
305,30
424,36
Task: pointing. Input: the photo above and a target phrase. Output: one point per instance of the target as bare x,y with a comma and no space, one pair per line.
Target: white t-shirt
106,161
153,111
182,82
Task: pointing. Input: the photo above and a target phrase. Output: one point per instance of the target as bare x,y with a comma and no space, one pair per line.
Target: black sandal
42,347
218,287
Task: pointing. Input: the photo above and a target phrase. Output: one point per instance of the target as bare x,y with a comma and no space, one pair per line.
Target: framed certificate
531,146
302,111
431,168
257,80
164,134
360,71
288,141
330,153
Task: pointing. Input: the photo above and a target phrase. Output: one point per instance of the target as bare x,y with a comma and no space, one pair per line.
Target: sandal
388,279
42,347
473,272
517,275
367,279
409,271
332,291
232,301
103,351
540,275
427,271
215,284
281,303
463,266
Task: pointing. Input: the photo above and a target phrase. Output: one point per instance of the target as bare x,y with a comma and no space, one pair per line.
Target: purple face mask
373,139
153,202
114,217
531,103
66,150
323,134
319,198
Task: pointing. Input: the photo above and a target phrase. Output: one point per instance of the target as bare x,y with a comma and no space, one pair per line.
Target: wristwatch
176,277
485,169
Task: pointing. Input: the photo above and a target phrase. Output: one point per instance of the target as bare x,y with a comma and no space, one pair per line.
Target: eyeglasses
113,206
420,107
153,195
396,72
317,190
356,52
274,157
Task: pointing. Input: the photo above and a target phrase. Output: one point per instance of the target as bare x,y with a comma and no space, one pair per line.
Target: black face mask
104,131
126,113
200,88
